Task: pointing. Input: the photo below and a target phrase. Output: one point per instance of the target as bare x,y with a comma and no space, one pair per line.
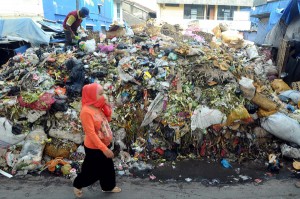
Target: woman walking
98,164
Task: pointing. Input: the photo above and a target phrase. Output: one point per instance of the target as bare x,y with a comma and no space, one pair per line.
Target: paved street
134,188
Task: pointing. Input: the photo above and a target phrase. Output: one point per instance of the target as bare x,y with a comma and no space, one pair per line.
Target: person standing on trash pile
98,164
71,23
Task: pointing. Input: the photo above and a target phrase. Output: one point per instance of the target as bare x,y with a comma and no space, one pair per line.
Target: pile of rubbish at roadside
175,96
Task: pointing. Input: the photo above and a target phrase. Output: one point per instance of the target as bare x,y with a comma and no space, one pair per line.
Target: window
89,27
118,11
171,5
245,8
193,11
226,12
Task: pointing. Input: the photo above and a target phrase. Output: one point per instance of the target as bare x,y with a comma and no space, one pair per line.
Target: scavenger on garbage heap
71,23
98,164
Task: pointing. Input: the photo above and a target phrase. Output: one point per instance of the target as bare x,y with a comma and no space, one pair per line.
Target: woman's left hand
108,153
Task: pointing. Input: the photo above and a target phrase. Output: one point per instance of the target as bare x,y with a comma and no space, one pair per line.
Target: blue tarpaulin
268,14
268,8
291,11
23,29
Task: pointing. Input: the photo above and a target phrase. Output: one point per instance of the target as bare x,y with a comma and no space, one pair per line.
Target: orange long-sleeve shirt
92,121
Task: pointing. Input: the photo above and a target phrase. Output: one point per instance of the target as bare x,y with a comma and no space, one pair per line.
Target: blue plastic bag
226,164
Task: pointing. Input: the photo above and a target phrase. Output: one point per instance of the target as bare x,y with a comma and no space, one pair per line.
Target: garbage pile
174,95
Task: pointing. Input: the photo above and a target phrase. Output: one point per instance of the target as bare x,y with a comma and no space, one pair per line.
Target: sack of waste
282,127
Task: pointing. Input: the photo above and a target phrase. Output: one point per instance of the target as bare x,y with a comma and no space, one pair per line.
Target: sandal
297,184
77,192
114,190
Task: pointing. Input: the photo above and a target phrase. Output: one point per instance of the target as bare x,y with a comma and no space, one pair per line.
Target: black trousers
96,167
68,38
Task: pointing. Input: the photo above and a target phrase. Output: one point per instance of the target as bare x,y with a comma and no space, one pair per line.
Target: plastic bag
129,32
34,115
291,94
217,31
61,134
289,151
252,52
296,86
58,148
282,127
225,164
263,102
32,151
43,103
11,159
239,113
122,74
233,38
119,135
154,110
106,48
279,85
247,87
90,46
7,138
204,117
141,166
260,132
263,113
271,70
51,165
77,77
35,79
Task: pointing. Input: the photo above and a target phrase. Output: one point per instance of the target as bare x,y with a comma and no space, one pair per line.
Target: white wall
21,8
115,11
151,4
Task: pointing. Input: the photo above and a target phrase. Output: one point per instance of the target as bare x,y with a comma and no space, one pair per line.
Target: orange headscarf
89,95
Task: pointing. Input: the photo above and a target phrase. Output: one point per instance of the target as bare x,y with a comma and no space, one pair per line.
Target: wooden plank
282,55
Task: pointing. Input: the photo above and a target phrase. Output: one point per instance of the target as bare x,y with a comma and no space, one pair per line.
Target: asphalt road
41,187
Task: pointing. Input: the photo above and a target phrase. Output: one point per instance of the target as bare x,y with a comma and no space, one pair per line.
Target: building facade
265,14
136,13
208,13
102,12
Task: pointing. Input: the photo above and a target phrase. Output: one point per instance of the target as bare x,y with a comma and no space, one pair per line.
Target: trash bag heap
175,96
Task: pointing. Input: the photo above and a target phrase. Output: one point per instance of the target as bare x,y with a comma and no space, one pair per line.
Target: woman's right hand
108,153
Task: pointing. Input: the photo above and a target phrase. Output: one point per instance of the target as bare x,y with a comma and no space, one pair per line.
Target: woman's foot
297,184
114,190
77,192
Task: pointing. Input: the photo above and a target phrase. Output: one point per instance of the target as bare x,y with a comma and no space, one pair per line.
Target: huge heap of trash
175,95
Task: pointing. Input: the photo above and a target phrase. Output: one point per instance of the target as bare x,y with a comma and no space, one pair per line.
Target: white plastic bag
122,74
119,135
34,115
63,134
252,52
154,110
32,151
289,151
247,87
7,138
282,127
90,46
204,117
